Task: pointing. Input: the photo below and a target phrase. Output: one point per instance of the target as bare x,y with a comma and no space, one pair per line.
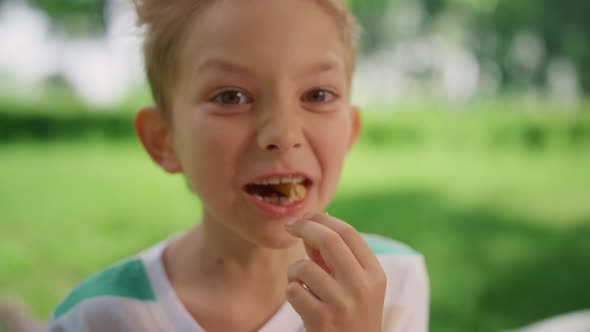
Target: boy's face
262,92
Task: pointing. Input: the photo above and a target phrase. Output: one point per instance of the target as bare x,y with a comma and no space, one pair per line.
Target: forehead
259,35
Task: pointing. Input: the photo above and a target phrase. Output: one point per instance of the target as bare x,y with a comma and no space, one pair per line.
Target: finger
353,239
315,256
335,253
306,305
319,283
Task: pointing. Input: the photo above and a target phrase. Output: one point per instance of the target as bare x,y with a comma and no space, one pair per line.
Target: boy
252,107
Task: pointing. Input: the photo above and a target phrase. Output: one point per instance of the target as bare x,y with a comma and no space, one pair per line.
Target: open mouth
280,190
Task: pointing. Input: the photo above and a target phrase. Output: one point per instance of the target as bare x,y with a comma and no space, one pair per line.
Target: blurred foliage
490,27
563,28
75,17
45,127
496,125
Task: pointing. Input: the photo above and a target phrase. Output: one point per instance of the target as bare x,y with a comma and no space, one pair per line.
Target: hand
341,288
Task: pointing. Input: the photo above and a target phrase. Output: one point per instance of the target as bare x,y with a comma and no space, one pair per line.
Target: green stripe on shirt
384,246
127,279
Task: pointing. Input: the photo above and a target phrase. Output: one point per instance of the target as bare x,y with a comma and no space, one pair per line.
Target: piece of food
295,191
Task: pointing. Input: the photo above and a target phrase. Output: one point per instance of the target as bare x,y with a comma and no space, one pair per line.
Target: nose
280,130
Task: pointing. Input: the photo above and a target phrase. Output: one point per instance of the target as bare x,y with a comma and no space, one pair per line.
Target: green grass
504,226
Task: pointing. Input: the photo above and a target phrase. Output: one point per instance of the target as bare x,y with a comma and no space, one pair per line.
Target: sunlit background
475,151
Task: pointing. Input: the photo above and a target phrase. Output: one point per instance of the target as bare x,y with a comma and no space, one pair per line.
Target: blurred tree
371,14
75,17
493,26
561,28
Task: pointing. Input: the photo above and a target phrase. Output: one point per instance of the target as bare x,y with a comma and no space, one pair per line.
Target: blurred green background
475,151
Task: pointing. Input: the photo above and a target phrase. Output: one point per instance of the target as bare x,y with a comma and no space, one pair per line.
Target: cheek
332,138
331,143
211,151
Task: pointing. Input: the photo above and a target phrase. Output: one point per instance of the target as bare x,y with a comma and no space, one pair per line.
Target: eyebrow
322,67
229,66
219,64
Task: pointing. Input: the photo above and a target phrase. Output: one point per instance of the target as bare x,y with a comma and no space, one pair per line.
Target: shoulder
403,265
407,295
383,246
127,279
400,262
106,299
398,259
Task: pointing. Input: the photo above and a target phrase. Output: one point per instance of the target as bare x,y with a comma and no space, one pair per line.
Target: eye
231,97
319,96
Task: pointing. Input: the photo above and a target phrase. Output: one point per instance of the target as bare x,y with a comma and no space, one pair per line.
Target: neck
215,258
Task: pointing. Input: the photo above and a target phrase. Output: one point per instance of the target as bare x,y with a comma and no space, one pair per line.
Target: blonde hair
165,23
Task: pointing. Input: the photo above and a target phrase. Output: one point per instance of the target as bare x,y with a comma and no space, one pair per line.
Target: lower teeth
275,200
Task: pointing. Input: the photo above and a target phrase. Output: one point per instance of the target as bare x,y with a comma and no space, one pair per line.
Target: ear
154,132
356,124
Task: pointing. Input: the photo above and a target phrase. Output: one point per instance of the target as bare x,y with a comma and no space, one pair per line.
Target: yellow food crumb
296,191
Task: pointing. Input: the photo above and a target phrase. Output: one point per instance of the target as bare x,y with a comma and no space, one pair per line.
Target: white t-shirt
136,295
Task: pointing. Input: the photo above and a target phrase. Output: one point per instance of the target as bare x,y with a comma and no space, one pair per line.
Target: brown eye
231,97
319,96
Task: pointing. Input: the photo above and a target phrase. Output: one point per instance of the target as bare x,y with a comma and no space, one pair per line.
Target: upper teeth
281,179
